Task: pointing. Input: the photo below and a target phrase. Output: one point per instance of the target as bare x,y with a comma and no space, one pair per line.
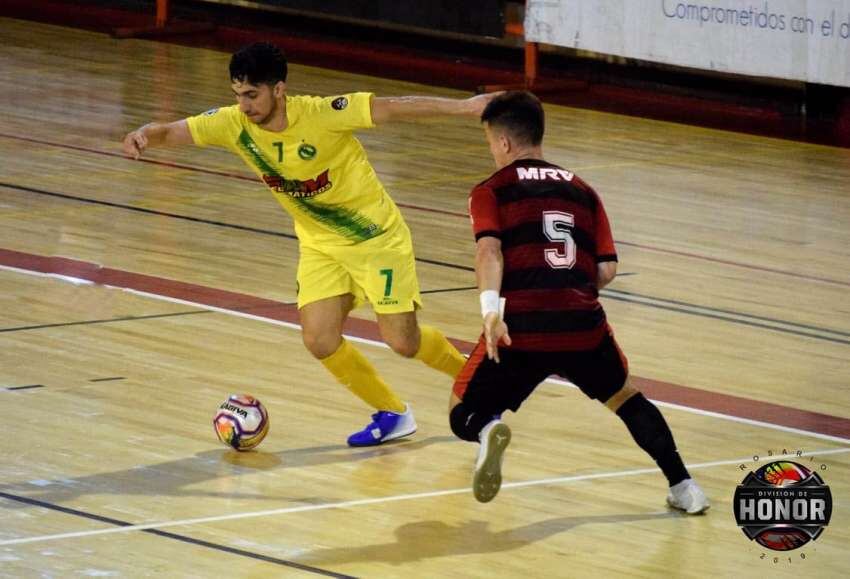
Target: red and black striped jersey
554,232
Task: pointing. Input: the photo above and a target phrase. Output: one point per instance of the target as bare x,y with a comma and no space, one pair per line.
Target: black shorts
485,386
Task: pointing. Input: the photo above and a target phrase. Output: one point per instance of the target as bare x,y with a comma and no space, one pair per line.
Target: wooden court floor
134,296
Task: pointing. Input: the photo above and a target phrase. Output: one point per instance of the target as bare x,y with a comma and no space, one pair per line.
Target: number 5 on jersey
557,226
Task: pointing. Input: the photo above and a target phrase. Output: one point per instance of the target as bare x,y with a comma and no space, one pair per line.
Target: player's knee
401,333
461,423
467,423
403,345
620,397
321,344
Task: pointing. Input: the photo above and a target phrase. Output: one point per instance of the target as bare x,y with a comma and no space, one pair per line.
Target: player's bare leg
400,332
322,323
620,397
407,338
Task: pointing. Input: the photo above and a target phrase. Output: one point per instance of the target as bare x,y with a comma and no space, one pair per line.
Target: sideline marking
753,412
391,499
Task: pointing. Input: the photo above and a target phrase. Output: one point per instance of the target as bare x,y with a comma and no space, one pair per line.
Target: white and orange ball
241,422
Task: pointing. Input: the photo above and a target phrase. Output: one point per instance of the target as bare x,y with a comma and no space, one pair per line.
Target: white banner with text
806,40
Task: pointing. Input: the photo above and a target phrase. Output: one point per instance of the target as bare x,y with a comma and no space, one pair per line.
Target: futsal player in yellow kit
354,244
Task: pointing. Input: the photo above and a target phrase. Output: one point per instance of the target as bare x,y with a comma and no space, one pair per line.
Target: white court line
68,278
238,314
392,499
380,344
347,504
552,380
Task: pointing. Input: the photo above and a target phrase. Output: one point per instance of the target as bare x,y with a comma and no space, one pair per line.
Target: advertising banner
807,40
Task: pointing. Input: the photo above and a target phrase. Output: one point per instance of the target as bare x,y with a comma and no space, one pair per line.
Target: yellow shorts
380,270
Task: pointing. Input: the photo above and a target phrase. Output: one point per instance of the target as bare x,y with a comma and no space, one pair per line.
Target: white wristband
491,302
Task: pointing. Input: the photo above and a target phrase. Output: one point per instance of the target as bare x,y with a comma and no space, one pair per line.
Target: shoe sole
392,436
487,480
401,434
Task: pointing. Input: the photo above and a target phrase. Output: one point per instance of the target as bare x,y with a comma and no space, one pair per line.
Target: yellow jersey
316,167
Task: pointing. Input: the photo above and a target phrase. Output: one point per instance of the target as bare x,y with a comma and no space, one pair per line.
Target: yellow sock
355,372
438,353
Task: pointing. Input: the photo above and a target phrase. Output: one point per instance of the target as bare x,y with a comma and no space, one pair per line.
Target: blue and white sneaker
385,426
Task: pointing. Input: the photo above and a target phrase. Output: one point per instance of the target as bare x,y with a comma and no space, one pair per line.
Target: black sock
650,431
467,425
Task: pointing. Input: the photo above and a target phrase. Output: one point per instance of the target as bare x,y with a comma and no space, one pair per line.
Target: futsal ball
241,422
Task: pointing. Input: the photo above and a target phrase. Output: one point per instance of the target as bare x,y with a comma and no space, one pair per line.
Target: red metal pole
161,13
532,51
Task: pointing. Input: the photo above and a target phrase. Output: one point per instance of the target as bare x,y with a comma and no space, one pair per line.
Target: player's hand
495,331
134,144
476,104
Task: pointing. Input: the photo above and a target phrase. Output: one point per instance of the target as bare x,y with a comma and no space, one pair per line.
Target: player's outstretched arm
408,107
156,135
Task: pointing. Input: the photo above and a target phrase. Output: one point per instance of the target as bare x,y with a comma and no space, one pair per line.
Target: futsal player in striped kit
544,250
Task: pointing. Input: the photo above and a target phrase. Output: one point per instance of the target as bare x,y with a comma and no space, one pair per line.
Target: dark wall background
481,17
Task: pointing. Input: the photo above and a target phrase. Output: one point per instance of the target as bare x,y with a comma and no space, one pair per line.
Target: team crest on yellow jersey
306,151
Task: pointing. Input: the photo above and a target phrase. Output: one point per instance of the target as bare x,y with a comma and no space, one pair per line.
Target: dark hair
258,63
519,113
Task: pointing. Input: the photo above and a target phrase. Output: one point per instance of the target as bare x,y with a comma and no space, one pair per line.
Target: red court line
145,283
273,310
246,177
